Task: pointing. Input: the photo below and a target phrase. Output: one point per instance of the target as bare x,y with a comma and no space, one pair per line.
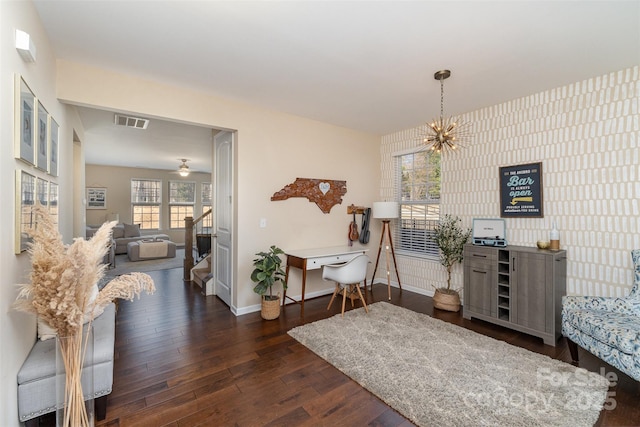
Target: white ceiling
365,65
160,146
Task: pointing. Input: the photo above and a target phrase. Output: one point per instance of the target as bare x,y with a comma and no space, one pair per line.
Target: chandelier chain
441,98
444,135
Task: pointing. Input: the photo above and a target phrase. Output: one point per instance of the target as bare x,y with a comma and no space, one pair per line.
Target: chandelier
444,134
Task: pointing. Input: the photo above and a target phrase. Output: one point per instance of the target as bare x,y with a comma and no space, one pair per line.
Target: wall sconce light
25,46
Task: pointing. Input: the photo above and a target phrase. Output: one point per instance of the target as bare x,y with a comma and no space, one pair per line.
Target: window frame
418,215
180,204
155,204
206,204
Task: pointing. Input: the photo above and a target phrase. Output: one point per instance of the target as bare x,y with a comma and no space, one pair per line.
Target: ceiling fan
183,169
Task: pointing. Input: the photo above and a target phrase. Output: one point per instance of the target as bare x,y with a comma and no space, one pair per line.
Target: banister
201,217
189,224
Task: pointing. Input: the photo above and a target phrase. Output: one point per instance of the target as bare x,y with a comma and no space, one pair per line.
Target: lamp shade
385,210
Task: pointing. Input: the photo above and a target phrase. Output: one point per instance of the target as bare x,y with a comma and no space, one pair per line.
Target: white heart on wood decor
324,187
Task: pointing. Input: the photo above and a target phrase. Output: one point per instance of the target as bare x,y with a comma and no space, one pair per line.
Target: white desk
313,259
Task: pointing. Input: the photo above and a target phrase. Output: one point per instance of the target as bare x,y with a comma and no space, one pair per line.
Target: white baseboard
258,307
420,291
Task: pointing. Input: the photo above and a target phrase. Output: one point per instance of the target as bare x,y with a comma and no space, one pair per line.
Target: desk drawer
315,263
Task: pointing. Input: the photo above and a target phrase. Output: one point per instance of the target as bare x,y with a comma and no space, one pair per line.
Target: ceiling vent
131,122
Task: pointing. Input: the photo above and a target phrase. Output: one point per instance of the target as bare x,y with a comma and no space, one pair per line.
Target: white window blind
146,191
182,193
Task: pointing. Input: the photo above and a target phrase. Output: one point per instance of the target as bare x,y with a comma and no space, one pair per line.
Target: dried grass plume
63,276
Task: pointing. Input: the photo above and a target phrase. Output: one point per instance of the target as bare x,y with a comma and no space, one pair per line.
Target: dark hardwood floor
183,359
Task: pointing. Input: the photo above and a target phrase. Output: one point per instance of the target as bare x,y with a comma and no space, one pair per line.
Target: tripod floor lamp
386,211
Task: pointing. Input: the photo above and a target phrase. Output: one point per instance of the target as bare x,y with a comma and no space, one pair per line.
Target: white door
223,216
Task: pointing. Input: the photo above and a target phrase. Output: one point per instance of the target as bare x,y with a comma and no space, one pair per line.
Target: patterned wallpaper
587,136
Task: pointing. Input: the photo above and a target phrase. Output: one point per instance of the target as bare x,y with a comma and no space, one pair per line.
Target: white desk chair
347,277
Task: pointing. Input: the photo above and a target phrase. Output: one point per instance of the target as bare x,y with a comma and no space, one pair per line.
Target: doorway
223,216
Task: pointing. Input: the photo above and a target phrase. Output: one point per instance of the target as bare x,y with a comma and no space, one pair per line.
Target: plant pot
270,307
446,299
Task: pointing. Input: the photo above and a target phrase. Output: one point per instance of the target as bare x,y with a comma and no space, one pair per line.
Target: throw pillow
118,232
131,230
45,332
90,231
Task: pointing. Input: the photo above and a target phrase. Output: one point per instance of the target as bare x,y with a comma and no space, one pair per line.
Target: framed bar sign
521,191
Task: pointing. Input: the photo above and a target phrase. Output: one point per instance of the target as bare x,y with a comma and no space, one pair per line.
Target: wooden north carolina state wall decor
326,193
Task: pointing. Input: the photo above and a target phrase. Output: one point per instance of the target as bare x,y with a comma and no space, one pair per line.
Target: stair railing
189,225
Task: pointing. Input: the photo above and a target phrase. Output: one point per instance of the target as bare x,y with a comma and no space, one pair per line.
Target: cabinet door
480,288
532,290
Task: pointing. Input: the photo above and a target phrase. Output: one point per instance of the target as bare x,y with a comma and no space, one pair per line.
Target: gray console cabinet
517,287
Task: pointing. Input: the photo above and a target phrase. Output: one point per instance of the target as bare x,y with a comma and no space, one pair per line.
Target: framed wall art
42,124
25,135
42,191
53,201
53,147
521,191
25,201
96,198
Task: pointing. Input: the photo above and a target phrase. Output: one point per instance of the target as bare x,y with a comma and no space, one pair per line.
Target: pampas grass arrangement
62,280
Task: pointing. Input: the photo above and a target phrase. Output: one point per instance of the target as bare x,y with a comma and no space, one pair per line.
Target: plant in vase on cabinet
64,294
450,238
266,273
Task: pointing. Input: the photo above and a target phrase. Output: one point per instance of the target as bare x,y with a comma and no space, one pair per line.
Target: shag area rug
438,374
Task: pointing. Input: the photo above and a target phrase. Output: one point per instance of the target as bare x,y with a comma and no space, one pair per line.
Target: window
182,198
418,193
205,200
146,197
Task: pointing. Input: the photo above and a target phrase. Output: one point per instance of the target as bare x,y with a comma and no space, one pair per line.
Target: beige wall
272,150
587,136
18,330
117,181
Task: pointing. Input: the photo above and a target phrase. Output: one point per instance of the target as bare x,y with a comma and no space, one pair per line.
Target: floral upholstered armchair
605,326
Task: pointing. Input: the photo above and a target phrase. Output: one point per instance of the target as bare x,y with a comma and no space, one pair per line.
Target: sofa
123,234
607,327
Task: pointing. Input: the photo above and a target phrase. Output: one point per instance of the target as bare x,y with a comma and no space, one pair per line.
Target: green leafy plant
450,237
268,272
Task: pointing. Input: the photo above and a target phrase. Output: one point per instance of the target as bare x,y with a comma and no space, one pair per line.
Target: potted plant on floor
266,273
450,238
